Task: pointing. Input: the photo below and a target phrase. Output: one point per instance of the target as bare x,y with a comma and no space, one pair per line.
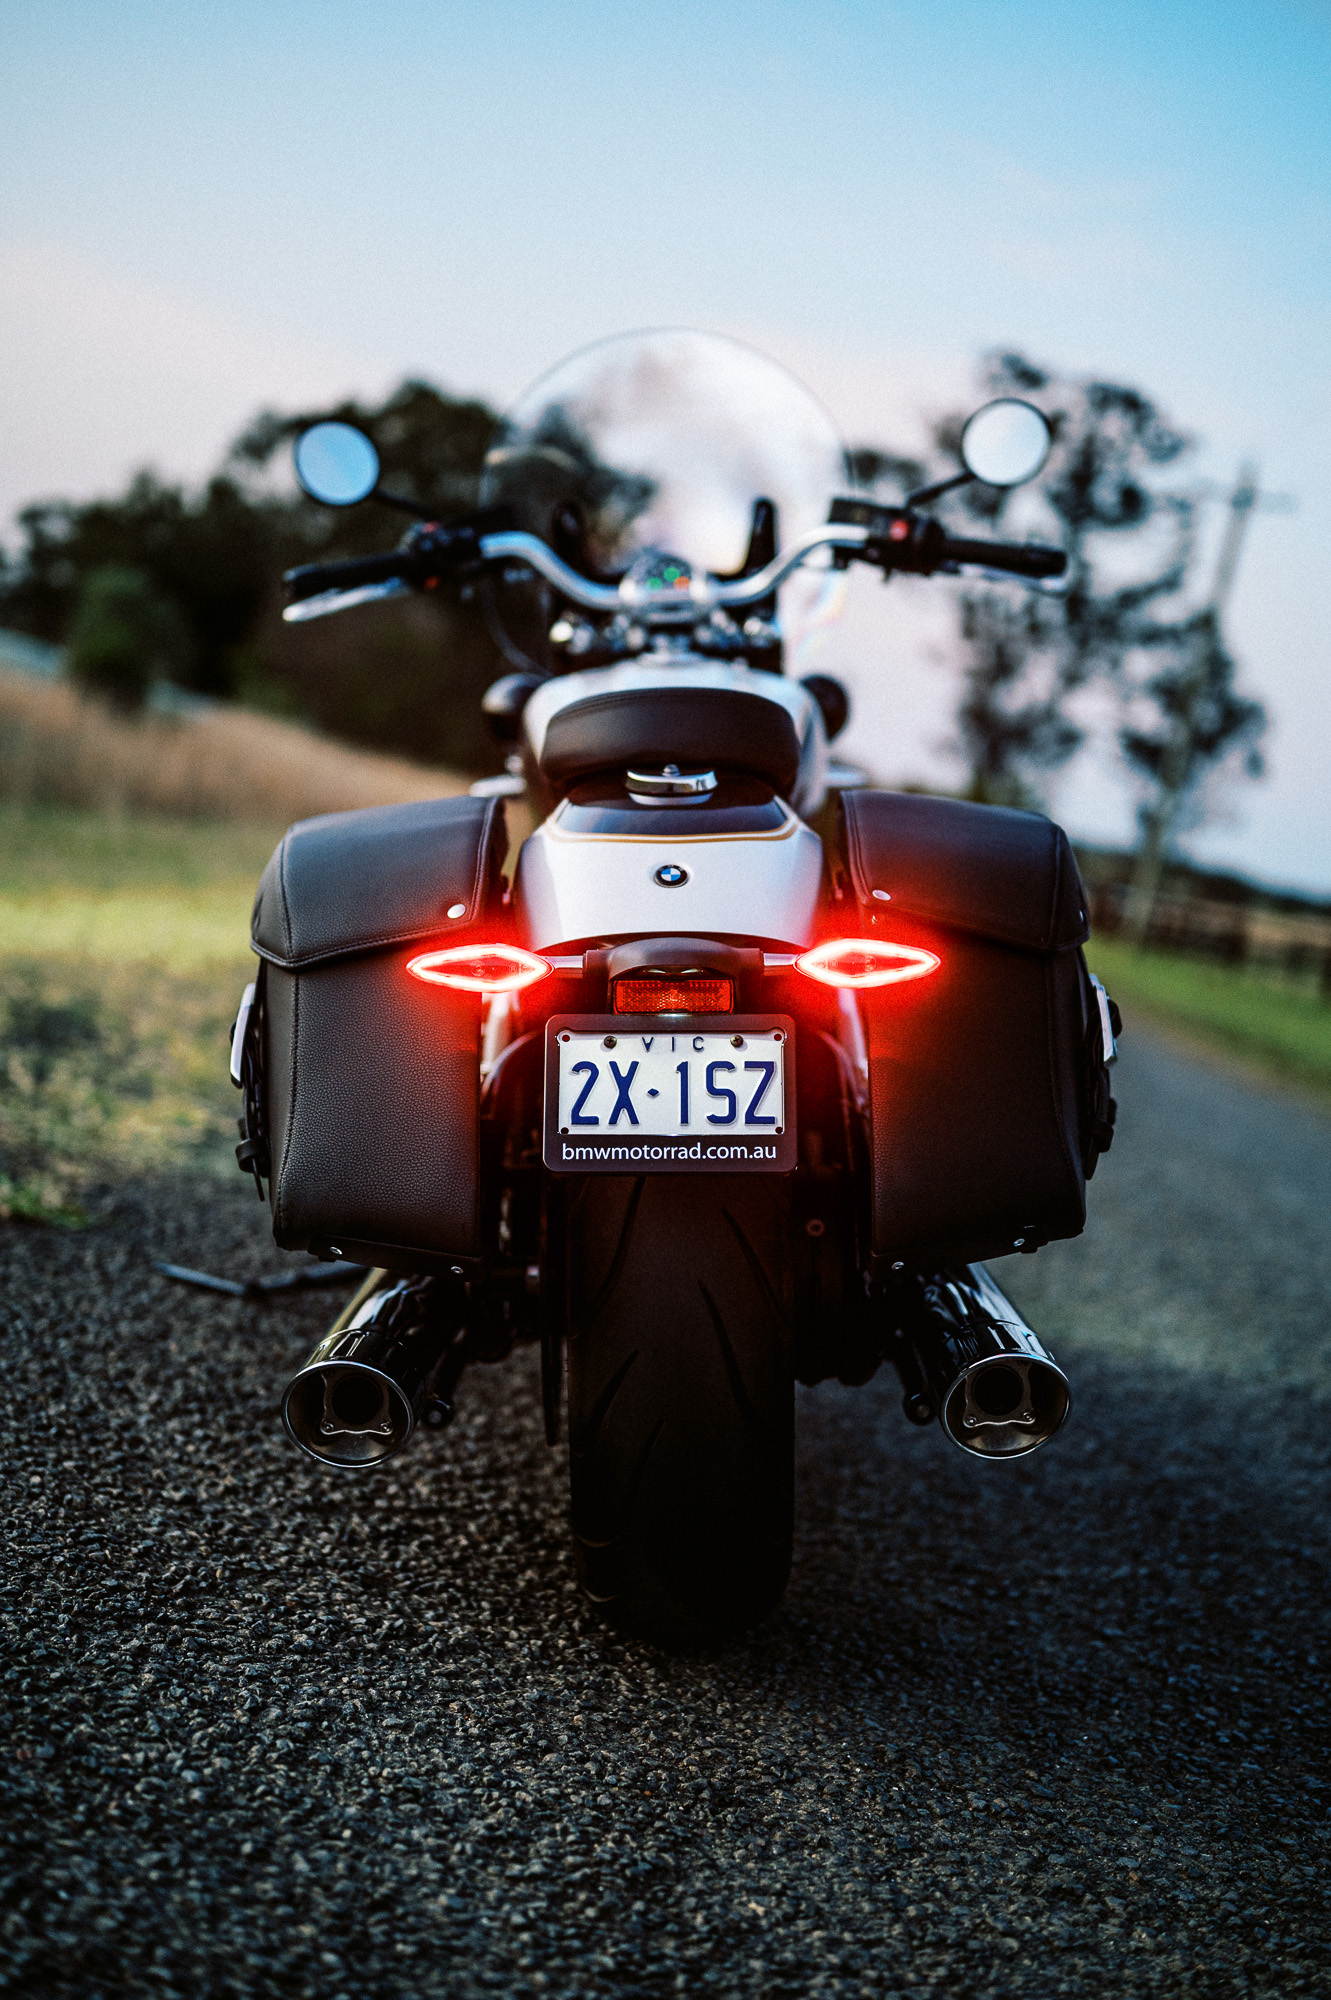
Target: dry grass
129,851
59,748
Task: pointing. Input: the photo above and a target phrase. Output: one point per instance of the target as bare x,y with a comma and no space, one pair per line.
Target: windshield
667,441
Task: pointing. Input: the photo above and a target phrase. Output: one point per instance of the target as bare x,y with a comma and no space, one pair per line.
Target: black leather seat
644,728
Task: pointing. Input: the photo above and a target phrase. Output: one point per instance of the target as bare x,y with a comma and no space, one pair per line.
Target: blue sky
206,209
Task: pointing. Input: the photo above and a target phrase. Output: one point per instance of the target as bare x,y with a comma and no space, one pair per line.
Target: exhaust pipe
965,1355
391,1357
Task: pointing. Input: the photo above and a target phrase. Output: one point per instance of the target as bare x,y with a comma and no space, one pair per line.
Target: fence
1293,945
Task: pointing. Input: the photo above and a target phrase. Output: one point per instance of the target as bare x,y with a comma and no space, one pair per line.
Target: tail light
480,968
674,996
863,962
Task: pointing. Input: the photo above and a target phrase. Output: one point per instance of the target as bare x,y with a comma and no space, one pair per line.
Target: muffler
391,1358
965,1355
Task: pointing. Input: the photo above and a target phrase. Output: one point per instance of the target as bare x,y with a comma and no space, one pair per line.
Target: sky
208,210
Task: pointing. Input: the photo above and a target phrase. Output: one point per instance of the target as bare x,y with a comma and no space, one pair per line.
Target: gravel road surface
1051,1728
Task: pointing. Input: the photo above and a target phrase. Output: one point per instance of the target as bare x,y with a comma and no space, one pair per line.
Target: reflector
480,968
674,996
862,962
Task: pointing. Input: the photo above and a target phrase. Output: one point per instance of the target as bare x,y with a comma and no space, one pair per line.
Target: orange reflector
480,968
674,996
862,962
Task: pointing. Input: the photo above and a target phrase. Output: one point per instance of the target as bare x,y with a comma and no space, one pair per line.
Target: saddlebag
361,1082
987,1081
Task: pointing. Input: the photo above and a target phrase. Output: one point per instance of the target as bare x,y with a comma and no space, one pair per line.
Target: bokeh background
211,212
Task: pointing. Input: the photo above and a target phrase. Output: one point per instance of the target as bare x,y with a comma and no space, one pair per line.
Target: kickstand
303,1278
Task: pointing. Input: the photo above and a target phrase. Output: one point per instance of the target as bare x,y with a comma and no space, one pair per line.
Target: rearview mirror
1005,443
336,464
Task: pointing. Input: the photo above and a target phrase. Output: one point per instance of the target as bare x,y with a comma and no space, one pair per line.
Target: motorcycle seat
726,727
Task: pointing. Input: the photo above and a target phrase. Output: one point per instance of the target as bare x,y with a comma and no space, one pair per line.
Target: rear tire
681,1399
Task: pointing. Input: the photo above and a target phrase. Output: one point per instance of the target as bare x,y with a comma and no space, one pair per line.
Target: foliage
1010,725
214,556
405,678
1125,614
1129,547
1197,716
124,635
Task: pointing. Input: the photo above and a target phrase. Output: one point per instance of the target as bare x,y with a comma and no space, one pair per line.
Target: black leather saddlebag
988,1092
362,1080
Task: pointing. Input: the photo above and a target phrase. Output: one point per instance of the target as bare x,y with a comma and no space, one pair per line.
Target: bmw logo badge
670,875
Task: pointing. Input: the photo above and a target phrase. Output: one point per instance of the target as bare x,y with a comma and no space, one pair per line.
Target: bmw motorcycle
739,1070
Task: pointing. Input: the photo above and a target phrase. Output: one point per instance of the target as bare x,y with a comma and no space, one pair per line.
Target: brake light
674,996
480,968
863,962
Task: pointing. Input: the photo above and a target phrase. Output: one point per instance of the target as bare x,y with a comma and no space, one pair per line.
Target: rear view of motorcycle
700,1100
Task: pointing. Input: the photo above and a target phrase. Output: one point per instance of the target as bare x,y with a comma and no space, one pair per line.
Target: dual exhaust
966,1356
391,1361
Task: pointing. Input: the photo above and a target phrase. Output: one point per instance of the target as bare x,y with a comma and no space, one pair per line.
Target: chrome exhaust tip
376,1373
968,1356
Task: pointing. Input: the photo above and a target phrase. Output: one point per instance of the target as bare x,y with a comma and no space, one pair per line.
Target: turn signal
674,996
480,968
862,962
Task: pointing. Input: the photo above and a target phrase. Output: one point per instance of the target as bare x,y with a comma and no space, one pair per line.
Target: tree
1010,720
124,635
1026,653
1195,720
404,677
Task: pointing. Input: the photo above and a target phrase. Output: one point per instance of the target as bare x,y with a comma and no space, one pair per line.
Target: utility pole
1177,767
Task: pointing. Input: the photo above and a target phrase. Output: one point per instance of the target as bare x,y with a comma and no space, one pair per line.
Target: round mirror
336,464
1005,443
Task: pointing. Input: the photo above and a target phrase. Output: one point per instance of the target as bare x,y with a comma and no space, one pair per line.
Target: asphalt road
1051,1728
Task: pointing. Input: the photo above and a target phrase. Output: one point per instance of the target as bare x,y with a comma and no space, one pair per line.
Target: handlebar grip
311,579
1020,558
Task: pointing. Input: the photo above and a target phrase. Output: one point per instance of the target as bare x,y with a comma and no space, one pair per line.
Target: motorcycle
740,1070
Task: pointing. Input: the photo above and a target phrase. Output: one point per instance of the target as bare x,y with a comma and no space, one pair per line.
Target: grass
1282,1029
129,853
59,748
123,949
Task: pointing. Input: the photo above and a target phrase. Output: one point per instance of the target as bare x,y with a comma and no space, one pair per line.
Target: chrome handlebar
893,538
706,593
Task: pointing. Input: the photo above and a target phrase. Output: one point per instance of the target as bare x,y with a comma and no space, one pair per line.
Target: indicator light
865,962
480,968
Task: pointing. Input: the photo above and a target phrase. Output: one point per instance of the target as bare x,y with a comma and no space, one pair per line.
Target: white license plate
631,1094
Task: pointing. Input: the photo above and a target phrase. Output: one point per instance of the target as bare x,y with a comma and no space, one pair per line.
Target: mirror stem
937,490
404,505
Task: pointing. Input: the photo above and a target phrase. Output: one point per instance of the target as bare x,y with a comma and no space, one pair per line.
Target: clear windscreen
666,440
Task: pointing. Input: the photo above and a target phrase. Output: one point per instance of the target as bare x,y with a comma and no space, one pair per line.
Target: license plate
627,1094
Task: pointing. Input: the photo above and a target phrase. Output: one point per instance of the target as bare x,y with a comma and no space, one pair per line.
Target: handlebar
312,579
892,538
1018,558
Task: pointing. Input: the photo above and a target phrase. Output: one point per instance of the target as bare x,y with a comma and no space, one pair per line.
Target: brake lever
329,601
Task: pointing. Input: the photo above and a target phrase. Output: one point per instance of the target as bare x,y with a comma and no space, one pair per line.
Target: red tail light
480,968
862,962
674,996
